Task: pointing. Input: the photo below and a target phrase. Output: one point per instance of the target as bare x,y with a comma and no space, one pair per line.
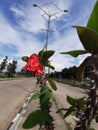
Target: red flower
39,69
34,65
34,57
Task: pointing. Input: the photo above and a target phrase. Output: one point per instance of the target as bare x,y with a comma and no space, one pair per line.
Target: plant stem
42,84
91,106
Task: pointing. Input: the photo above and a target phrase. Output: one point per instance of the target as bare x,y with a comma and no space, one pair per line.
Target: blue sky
21,34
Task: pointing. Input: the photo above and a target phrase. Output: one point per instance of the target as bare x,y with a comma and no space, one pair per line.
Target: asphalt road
13,94
62,91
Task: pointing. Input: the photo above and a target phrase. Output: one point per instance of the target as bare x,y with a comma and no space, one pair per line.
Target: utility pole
49,11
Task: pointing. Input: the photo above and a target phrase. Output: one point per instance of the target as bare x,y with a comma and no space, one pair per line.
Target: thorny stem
42,83
91,106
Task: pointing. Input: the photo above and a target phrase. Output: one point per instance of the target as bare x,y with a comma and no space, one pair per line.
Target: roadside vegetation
66,75
9,70
85,109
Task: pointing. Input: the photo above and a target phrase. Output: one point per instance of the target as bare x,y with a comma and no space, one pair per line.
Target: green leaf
81,68
46,55
25,58
93,20
75,53
96,119
34,97
44,90
91,129
73,113
72,101
69,111
61,109
45,97
52,84
47,64
88,38
81,102
37,117
40,54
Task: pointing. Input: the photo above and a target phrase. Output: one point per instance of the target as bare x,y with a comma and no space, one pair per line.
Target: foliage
11,68
89,40
45,94
93,20
52,84
66,73
86,110
34,119
44,56
75,53
3,64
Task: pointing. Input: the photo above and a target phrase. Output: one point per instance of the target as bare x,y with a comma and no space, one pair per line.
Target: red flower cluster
34,65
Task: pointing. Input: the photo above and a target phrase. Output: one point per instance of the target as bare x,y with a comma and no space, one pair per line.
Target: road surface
13,94
61,93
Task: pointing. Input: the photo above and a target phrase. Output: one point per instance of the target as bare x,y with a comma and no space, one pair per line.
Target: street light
50,14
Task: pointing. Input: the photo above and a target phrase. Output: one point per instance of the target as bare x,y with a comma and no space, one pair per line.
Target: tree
64,73
69,73
11,68
3,64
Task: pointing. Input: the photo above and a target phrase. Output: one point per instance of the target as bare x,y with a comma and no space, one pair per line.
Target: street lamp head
35,5
65,10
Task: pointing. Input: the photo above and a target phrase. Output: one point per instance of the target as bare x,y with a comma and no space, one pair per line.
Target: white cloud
31,44
7,33
23,36
64,4
60,61
65,43
25,43
20,65
17,12
31,19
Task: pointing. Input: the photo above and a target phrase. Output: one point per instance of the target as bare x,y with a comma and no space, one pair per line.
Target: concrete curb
18,118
